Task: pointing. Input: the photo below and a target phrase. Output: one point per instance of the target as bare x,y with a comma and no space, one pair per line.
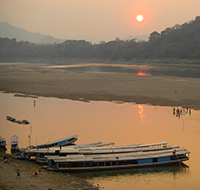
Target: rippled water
122,123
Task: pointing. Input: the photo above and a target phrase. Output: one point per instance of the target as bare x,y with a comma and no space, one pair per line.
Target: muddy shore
45,180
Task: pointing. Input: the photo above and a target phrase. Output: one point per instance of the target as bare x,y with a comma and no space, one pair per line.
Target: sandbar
34,80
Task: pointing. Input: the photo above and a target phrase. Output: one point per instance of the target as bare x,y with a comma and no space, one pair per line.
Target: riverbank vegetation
177,42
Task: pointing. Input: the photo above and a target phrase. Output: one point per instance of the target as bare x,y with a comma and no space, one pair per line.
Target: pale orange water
126,123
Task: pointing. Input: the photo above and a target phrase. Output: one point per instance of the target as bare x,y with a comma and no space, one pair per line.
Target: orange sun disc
139,18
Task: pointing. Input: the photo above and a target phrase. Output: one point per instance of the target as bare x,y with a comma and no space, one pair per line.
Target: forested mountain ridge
179,41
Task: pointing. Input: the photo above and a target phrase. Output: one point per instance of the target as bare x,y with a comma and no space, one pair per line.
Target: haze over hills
9,31
177,42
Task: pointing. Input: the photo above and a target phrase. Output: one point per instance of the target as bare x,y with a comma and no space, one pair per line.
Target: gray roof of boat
71,150
56,141
122,156
2,139
90,149
52,149
133,146
112,149
85,145
126,146
83,158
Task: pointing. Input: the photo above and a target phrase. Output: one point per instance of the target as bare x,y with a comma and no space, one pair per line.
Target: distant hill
138,38
177,42
9,31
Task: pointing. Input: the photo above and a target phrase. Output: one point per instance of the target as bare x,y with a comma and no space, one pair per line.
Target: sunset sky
97,20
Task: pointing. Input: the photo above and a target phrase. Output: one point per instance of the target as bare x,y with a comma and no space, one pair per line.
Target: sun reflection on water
141,113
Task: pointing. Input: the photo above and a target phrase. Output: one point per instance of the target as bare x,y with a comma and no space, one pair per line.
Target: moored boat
83,162
12,119
28,152
14,144
9,118
38,154
3,144
57,143
94,148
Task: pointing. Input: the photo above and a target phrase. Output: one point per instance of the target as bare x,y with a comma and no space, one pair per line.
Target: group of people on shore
178,112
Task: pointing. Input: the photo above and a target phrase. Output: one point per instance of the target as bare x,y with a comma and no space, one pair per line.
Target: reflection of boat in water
14,144
12,119
141,158
3,144
174,169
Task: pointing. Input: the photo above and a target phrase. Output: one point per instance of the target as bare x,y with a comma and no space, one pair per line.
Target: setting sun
139,18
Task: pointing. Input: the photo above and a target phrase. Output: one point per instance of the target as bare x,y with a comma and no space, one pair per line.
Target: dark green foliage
180,41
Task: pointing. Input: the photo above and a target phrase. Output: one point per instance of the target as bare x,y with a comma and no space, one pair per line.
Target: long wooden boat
12,119
92,148
63,142
83,162
26,152
39,153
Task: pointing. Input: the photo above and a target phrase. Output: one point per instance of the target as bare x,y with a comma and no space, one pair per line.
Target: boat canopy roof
69,149
98,150
57,141
72,149
124,157
14,138
2,139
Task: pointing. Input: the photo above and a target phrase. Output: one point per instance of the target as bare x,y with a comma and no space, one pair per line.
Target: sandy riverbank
45,180
30,79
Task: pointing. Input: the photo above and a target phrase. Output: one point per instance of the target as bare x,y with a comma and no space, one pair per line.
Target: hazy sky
97,20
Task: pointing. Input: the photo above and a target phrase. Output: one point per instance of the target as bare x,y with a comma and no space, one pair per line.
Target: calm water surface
123,124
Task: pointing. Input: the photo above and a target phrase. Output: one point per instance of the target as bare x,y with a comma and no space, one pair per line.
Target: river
121,123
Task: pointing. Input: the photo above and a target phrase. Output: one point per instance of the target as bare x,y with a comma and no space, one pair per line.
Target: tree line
179,41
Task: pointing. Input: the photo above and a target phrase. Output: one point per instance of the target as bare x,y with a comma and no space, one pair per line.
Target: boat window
134,162
114,163
122,163
107,163
155,159
173,158
74,164
81,164
88,164
95,164
101,163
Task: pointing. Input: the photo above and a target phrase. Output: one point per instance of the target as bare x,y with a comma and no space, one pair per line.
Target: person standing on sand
39,168
5,158
18,174
36,172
